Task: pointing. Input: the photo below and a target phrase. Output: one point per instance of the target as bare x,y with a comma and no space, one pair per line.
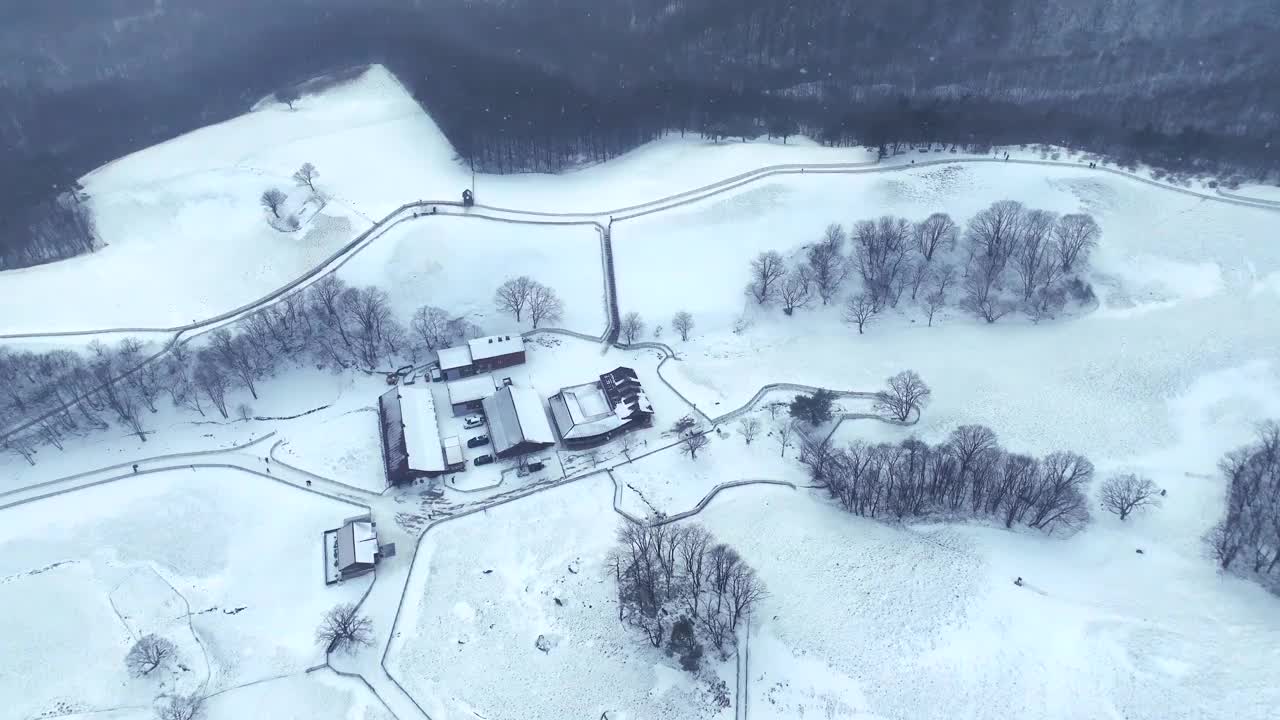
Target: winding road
246,457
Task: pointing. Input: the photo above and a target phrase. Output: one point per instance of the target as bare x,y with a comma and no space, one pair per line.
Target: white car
472,421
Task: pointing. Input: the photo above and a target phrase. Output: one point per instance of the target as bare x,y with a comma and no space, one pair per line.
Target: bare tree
632,326
693,440
344,628
784,433
180,707
306,176
272,200
1032,259
859,309
933,302
513,295
288,96
1074,237
119,396
211,380
982,296
749,427
767,271
21,444
827,264
432,327
907,393
238,357
880,254
996,231
149,653
746,590
683,324
374,332
796,289
627,442
1128,493
934,233
544,305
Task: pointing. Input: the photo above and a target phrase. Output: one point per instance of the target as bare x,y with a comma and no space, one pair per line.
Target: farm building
411,445
467,394
517,422
351,550
481,355
593,413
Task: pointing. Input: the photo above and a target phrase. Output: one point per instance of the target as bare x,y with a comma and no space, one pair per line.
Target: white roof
421,433
495,346
452,358
452,450
366,541
533,419
476,387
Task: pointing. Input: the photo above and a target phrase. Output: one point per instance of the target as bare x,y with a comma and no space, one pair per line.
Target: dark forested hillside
539,84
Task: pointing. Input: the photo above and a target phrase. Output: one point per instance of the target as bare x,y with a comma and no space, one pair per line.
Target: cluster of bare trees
671,577
63,393
969,475
523,295
1012,257
273,199
1248,536
1020,258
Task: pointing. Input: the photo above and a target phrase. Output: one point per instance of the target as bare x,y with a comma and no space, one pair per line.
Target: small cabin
468,199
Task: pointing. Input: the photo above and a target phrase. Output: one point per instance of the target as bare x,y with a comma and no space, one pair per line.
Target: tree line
1011,258
678,586
1247,538
968,476
549,85
62,393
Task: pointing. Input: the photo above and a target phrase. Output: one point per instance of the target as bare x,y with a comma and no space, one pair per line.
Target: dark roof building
594,413
351,550
481,355
410,436
517,422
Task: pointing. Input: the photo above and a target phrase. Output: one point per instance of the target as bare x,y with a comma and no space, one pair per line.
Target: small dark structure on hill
468,199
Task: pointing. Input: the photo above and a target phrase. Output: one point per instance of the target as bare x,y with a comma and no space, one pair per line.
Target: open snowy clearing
930,625
484,588
457,263
83,575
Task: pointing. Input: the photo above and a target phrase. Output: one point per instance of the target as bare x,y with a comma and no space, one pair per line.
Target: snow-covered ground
85,574
486,586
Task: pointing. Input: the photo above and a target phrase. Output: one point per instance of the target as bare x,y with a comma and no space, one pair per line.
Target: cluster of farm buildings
414,446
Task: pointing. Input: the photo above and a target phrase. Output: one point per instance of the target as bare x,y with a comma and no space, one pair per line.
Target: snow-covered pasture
484,588
869,620
457,263
82,575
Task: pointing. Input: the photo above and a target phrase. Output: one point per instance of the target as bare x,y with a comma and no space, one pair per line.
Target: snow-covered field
864,620
485,587
82,575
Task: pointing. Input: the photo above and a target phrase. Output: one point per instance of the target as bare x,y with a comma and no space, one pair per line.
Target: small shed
467,395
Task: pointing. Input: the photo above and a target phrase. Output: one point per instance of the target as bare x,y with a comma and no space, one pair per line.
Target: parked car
472,421
435,375
483,460
477,441
535,466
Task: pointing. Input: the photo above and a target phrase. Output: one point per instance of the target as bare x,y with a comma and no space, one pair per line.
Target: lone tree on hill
180,707
632,326
149,653
544,305
344,628
289,96
683,324
783,432
513,295
1126,494
272,200
858,310
691,441
749,428
306,176
814,409
906,393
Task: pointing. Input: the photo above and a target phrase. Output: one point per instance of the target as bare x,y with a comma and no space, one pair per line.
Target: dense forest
545,84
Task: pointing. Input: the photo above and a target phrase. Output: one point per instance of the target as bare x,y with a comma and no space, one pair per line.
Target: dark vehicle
477,441
483,460
535,466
